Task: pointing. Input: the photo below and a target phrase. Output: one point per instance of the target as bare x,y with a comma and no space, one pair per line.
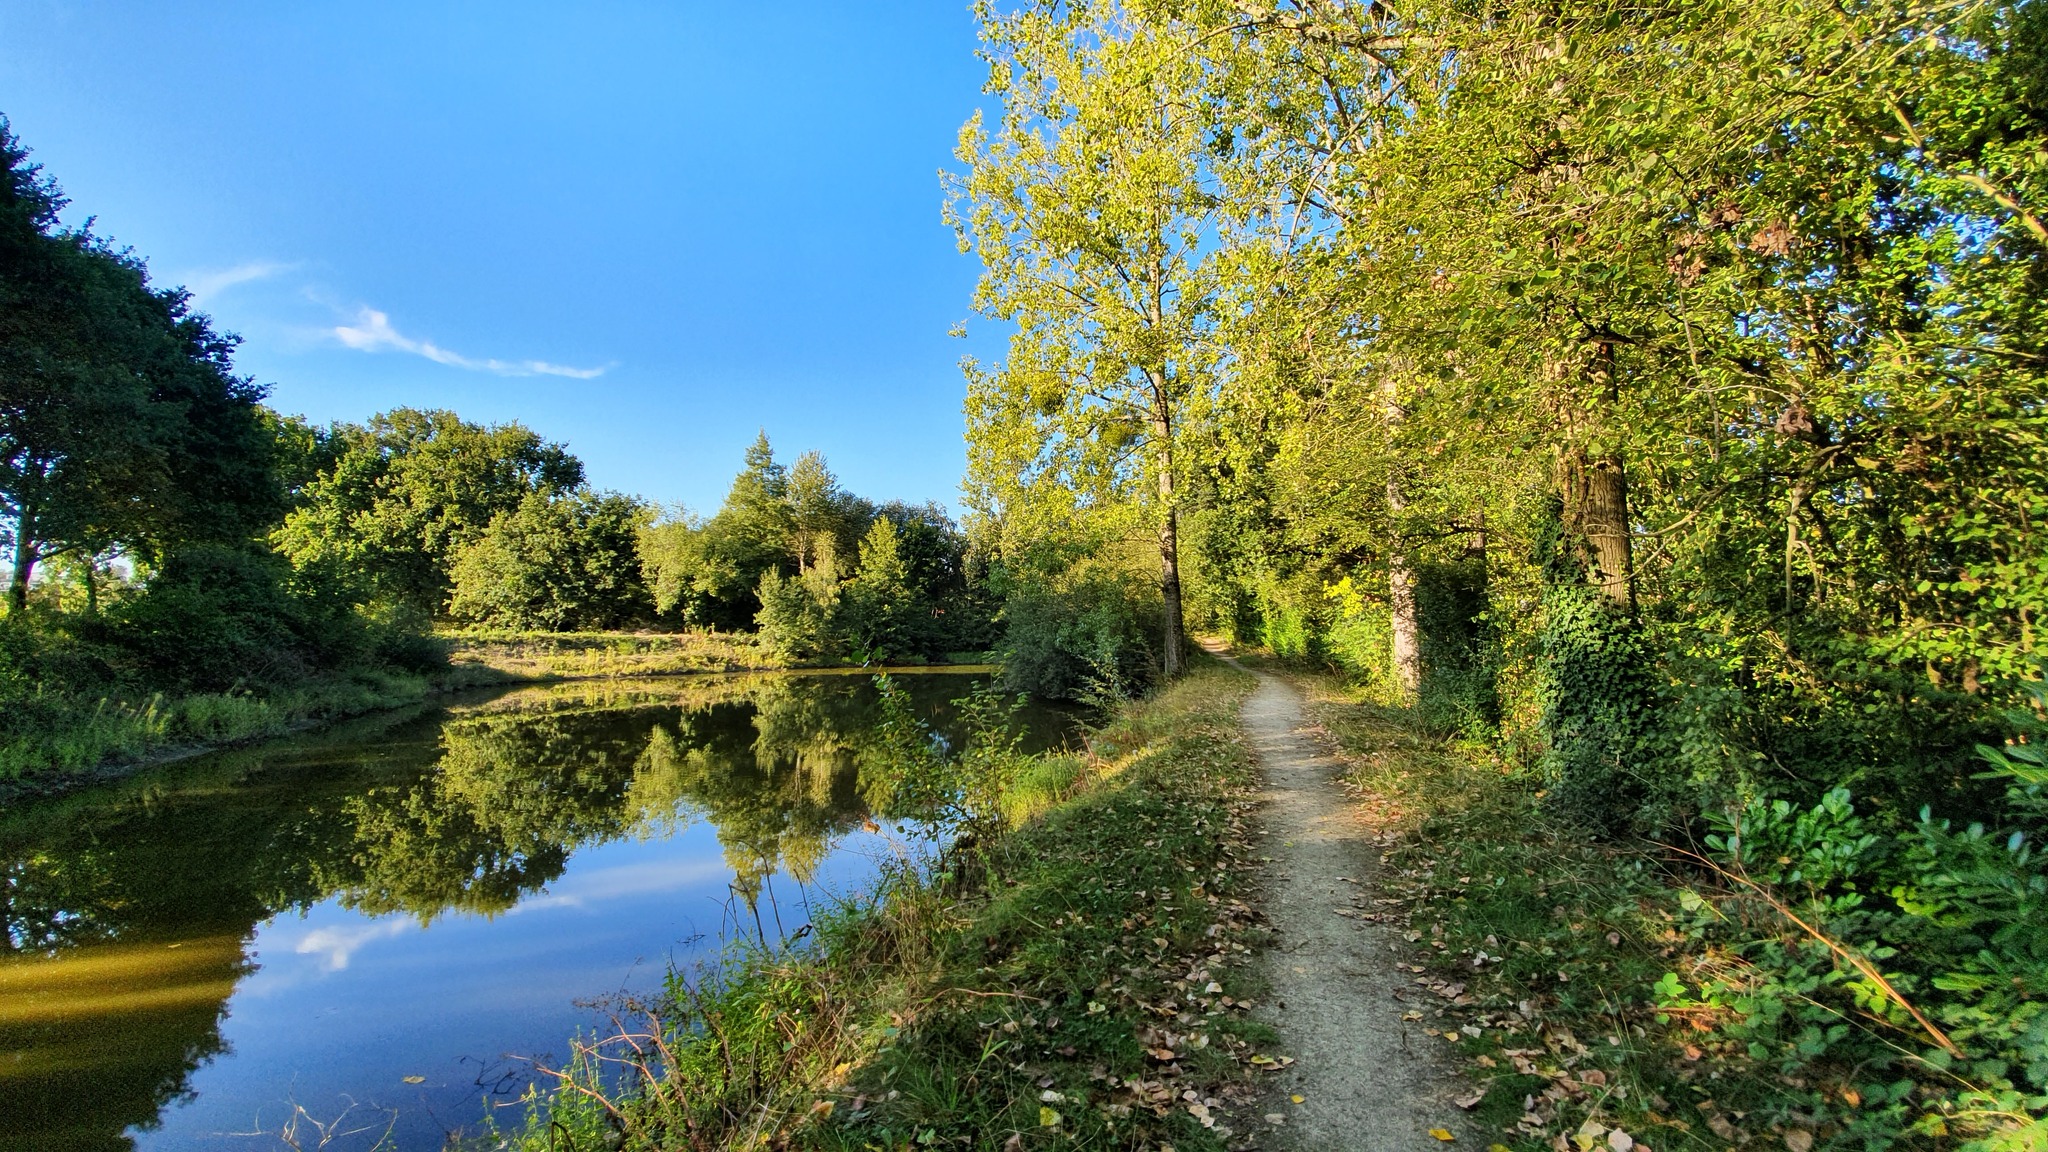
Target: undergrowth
1074,973
1769,987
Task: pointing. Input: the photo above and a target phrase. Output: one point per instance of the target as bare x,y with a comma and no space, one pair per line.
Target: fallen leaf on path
1443,1134
1298,1098
1470,1102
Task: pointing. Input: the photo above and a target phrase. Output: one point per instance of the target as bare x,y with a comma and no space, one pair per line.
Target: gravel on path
1369,1080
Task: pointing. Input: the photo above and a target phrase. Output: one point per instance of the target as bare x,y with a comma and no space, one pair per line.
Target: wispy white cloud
205,285
372,332
335,945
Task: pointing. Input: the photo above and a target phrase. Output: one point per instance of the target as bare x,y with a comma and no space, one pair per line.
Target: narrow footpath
1369,1081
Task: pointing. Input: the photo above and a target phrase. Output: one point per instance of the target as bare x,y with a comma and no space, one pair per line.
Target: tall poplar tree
1088,207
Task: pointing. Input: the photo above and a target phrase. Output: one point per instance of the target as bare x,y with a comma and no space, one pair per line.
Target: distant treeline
443,520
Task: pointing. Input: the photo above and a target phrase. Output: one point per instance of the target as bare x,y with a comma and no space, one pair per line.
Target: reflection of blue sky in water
346,1006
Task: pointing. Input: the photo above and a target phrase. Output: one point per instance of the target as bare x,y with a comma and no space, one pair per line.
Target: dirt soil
1368,1079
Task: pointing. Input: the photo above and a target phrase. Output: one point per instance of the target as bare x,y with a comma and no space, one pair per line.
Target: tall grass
56,735
581,655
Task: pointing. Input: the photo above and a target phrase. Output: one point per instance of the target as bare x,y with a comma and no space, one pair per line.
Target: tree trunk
1169,584
1596,492
24,563
1169,528
1400,576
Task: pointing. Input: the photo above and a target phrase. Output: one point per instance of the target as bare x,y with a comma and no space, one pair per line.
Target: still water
378,927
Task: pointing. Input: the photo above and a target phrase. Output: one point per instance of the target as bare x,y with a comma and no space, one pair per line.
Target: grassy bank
1618,995
60,742
1081,981
581,655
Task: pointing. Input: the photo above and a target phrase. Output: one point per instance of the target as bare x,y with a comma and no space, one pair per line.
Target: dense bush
1089,633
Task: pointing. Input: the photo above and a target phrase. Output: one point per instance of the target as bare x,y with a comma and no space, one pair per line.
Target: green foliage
1686,979
883,613
1690,361
1082,634
556,562
1602,712
801,616
122,423
1458,649
407,492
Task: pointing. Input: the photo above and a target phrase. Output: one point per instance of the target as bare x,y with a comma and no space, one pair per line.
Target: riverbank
1089,976
537,656
534,656
76,742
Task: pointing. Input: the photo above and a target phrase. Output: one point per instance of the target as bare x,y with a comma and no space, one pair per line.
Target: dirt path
1369,1080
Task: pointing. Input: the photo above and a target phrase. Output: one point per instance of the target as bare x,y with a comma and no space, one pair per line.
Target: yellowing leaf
415,1079
1443,1134
1048,1117
1298,1098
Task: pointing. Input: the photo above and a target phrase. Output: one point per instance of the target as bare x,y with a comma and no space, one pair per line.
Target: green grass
1050,990
580,655
73,735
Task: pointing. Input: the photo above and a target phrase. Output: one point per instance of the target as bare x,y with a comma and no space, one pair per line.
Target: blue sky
644,229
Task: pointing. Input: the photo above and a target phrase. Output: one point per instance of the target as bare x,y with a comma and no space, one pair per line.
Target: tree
671,559
556,563
1088,210
885,616
408,491
122,424
821,514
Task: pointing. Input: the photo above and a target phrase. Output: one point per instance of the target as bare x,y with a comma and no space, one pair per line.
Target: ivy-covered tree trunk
1593,481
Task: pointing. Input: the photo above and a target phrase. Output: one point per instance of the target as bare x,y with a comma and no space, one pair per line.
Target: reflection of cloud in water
335,945
594,887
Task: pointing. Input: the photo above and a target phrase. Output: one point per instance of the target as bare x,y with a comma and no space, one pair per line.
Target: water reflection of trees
162,881
487,807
